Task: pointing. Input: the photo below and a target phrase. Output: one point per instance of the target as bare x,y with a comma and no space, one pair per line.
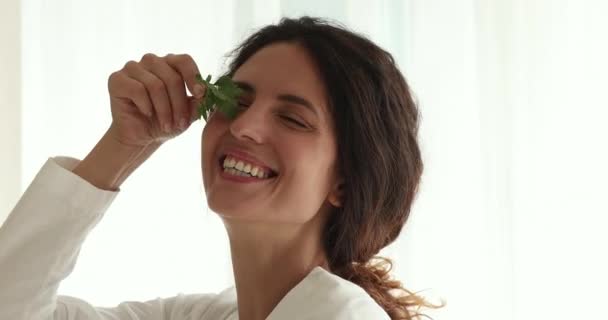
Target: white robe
41,239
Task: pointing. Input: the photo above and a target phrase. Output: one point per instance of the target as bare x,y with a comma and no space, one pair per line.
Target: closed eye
294,121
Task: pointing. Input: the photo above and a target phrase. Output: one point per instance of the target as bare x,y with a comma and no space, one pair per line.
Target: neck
269,260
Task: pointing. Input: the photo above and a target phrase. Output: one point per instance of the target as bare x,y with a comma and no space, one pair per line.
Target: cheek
306,190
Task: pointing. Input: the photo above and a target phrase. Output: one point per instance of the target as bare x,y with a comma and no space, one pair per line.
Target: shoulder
323,295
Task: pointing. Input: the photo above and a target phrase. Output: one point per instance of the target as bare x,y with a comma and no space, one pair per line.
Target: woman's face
284,130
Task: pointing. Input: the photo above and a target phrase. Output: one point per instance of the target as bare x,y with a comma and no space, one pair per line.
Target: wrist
111,162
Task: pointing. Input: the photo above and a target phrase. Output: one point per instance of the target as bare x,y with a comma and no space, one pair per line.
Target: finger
122,86
175,87
193,103
157,91
185,65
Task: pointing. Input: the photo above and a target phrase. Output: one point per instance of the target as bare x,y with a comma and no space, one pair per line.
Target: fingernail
199,91
166,128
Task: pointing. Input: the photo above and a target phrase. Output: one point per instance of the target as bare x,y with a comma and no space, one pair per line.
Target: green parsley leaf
223,95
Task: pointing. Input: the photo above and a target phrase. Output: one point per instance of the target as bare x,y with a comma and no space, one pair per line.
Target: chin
231,209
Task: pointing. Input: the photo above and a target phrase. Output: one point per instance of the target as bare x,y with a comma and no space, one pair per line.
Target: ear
336,194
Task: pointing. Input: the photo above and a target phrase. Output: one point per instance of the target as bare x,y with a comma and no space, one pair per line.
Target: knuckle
130,65
112,77
184,57
149,57
184,61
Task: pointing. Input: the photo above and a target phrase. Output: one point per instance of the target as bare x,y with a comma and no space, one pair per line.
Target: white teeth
240,165
241,168
235,172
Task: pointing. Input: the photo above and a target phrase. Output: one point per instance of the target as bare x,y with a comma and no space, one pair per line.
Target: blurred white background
510,221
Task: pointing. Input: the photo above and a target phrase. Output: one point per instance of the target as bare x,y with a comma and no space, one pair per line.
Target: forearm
110,163
41,238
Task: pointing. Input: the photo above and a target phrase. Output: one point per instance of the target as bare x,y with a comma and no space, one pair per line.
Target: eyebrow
249,88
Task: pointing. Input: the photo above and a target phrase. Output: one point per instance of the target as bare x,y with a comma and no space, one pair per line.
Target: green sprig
223,95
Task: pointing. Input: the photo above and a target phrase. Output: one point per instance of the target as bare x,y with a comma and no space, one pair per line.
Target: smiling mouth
238,168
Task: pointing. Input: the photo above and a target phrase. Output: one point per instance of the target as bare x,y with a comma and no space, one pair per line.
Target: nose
249,125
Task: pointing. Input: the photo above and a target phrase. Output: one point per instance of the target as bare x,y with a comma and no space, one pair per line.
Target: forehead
285,68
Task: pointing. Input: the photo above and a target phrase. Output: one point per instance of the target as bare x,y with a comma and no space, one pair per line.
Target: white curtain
510,221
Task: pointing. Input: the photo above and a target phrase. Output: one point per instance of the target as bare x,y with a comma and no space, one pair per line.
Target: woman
313,177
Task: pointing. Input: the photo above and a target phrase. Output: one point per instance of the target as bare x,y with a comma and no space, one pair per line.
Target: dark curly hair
376,123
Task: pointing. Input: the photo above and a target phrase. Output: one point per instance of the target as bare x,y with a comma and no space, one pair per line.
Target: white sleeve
180,307
40,242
